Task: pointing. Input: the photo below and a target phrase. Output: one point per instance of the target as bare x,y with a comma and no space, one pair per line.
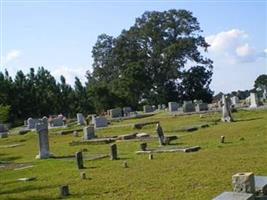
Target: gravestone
113,152
31,123
243,182
226,110
163,106
222,139
115,112
89,132
160,134
173,106
79,159
147,109
57,121
80,119
3,131
235,101
159,107
42,130
143,146
188,106
100,122
64,190
254,103
126,111
234,196
201,107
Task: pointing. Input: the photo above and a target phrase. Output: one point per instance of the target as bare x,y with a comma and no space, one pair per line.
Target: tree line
157,60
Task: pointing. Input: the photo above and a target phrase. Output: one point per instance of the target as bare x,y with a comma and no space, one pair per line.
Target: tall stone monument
42,130
254,103
226,109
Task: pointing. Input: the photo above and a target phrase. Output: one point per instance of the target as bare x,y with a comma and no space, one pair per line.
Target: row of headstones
53,122
188,106
97,121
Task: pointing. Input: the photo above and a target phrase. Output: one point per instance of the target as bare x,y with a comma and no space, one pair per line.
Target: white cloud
69,73
233,47
265,50
10,56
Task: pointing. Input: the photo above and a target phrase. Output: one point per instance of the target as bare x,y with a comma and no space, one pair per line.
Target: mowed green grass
199,175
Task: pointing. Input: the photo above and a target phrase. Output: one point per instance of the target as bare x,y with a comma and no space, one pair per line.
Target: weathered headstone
79,159
113,152
160,134
150,156
188,106
201,107
89,132
147,109
42,130
126,111
100,122
115,112
64,190
31,123
173,106
56,121
80,119
143,146
226,110
243,182
254,103
222,139
235,101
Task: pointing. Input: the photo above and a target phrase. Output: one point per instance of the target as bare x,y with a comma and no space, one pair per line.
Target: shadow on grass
25,189
246,120
11,158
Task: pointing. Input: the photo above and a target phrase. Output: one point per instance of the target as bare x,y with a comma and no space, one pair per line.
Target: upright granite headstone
254,103
100,122
42,130
147,109
89,132
115,112
160,134
113,152
201,107
126,111
226,110
173,106
31,123
188,106
79,159
80,119
57,121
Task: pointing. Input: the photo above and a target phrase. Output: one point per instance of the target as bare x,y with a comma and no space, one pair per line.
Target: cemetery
122,159
129,100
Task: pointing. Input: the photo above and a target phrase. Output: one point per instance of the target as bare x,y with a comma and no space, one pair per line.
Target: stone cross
160,134
113,152
42,130
226,109
79,159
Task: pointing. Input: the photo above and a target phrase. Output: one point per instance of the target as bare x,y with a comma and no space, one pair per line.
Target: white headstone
226,110
253,100
80,119
42,130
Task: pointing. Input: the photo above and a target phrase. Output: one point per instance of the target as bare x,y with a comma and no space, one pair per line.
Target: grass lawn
198,175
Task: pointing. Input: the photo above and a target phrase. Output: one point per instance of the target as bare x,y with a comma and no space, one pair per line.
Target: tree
261,81
148,60
4,113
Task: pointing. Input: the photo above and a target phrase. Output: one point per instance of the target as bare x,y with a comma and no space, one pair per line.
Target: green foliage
146,62
261,81
4,113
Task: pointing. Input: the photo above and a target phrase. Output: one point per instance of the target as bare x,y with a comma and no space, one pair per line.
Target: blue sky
59,35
